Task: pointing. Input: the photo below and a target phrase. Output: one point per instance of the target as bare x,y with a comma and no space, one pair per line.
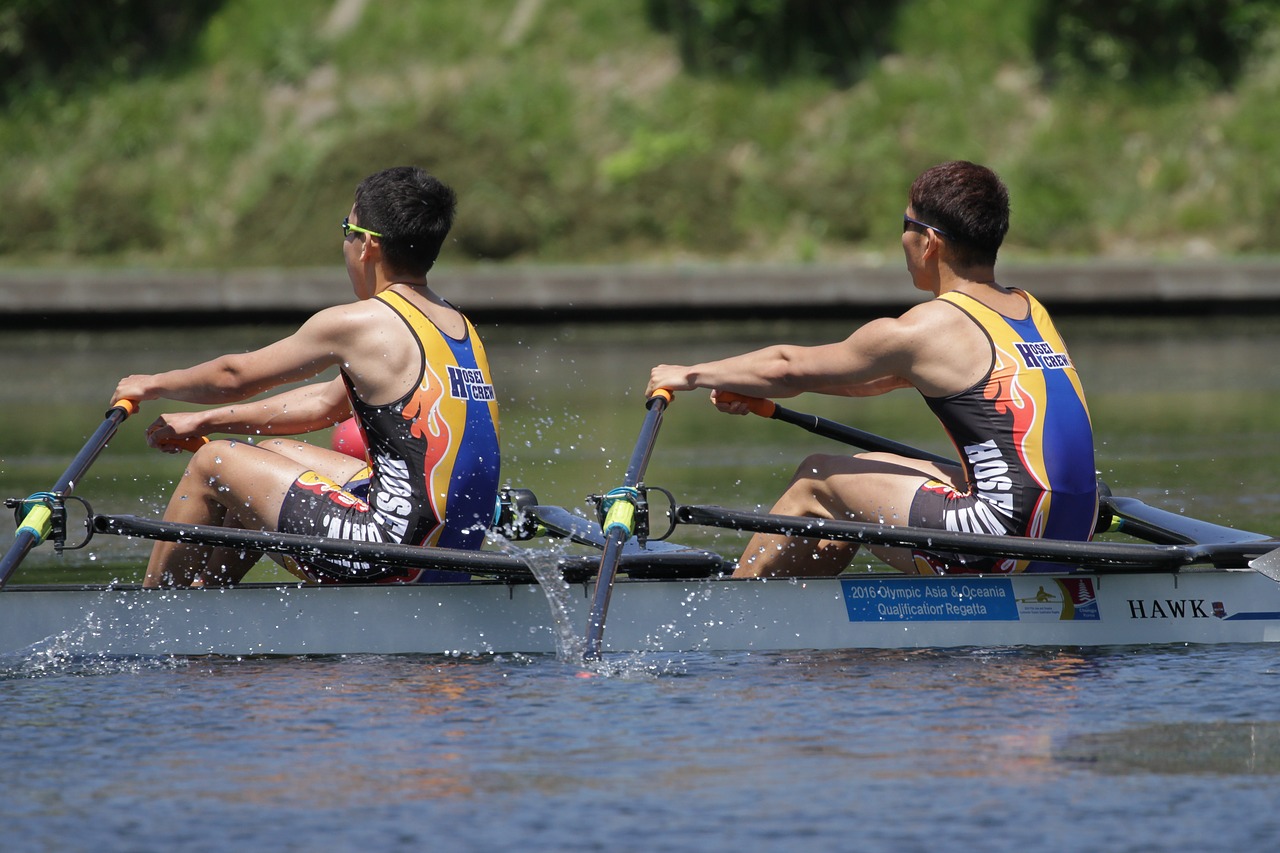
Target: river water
1164,748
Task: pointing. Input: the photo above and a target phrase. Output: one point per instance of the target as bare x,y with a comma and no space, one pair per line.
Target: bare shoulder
370,310
917,328
934,314
950,351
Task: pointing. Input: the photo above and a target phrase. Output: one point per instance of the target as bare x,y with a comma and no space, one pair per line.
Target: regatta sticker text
931,600
1024,598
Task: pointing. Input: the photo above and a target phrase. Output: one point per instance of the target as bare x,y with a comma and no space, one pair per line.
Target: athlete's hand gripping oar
190,443
619,522
37,522
830,429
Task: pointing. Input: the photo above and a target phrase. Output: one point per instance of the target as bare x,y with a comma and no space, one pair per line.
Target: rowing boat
670,599
1171,579
489,617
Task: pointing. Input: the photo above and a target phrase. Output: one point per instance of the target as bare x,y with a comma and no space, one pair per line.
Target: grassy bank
574,134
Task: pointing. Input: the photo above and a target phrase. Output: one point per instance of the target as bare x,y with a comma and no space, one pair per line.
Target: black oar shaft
27,538
854,436
384,554
1132,555
616,534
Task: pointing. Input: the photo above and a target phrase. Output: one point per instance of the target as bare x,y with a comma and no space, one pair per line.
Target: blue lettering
1040,356
457,383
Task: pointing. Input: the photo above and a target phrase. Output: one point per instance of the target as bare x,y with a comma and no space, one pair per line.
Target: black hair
412,210
967,201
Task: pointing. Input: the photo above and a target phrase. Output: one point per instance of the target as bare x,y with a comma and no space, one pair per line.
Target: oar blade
1268,564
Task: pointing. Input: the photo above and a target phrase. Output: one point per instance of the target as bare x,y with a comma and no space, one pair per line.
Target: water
1124,749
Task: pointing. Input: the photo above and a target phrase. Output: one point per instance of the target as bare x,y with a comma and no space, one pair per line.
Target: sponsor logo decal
1040,356
1056,599
1220,611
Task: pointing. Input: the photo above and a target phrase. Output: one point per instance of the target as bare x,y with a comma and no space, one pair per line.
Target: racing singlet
1023,434
434,452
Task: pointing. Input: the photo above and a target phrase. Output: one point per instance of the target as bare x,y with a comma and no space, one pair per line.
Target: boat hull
864,611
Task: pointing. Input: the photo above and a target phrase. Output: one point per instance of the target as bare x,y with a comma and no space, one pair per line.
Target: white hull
877,611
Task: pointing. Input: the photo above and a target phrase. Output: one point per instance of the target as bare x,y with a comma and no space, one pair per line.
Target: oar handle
190,444
756,405
129,407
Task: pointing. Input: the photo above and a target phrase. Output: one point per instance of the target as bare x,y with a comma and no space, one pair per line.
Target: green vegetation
231,133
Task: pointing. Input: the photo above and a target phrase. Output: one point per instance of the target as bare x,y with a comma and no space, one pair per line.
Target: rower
989,363
412,371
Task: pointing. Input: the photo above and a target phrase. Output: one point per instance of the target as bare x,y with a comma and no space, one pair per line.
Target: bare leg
870,487
225,565
338,467
235,484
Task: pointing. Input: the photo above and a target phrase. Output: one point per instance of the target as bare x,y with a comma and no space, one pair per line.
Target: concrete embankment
532,294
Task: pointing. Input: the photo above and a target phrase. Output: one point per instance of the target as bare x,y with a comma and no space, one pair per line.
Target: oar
619,522
1131,556
831,429
1129,515
37,522
386,556
382,557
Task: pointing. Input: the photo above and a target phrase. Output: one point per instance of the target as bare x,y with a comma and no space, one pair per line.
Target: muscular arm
298,410
318,344
875,358
931,347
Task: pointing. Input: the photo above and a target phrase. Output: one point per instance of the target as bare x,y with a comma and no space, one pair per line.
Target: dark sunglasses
907,222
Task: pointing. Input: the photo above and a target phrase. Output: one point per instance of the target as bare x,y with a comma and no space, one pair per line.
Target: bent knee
820,465
211,456
823,465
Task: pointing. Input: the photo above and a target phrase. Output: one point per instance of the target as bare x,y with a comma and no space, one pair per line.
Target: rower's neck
971,280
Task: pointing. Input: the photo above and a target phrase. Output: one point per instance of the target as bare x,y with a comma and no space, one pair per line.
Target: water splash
75,652
544,563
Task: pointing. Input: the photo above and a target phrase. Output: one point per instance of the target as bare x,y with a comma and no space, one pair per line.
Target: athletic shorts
317,506
933,504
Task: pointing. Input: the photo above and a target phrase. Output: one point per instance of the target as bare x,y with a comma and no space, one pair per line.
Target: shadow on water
1216,748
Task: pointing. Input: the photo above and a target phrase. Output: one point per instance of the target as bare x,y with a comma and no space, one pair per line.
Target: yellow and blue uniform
1025,442
434,459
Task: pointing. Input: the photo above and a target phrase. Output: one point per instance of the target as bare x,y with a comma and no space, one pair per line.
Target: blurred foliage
1166,41
141,132
1172,41
63,43
773,39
